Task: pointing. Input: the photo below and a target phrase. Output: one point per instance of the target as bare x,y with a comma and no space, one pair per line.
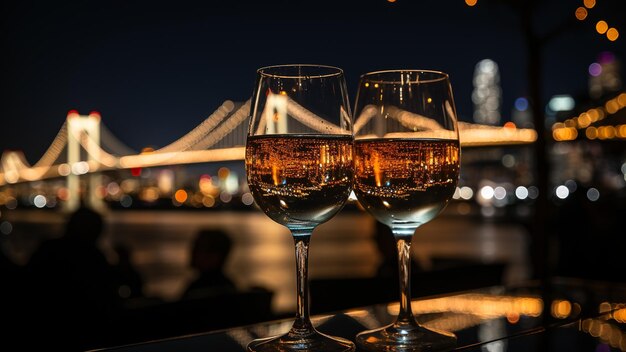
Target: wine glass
300,171
406,170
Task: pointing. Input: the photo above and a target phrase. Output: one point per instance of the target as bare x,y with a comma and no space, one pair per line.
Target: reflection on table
567,315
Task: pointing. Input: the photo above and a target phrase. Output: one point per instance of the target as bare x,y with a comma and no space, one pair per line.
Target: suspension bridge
85,146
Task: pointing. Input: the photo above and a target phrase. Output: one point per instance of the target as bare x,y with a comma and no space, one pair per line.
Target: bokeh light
39,201
521,104
595,69
602,27
247,198
521,192
180,196
612,34
466,193
6,228
487,192
562,192
499,193
581,13
593,194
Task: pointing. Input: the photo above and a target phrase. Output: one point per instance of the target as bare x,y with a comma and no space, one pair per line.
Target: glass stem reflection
403,242
302,325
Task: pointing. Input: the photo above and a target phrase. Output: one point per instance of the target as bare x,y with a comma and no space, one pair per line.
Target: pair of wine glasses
400,154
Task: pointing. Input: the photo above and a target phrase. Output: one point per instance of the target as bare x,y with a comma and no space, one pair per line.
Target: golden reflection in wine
301,178
405,181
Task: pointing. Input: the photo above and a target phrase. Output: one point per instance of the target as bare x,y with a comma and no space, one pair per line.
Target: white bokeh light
466,193
457,193
562,192
521,192
499,192
39,201
486,192
247,198
80,168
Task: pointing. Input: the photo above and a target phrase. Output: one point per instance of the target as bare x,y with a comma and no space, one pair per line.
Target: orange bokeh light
581,13
602,27
180,196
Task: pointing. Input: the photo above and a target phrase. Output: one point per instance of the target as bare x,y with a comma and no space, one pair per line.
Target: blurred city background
139,111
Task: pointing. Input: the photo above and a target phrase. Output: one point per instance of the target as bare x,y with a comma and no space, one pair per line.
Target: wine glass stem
404,268
302,325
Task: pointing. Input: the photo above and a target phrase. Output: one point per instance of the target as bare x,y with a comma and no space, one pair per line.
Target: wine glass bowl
299,165
407,158
296,177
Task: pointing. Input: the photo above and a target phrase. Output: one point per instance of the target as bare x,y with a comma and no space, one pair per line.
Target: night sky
155,69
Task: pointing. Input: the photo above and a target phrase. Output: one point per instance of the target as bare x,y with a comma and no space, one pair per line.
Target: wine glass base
413,338
315,341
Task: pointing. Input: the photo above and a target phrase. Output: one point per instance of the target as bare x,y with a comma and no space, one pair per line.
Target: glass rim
442,76
263,71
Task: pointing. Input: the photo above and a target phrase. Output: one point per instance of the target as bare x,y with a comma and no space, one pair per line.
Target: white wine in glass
300,170
407,158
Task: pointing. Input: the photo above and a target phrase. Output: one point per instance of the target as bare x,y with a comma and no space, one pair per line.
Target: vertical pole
540,234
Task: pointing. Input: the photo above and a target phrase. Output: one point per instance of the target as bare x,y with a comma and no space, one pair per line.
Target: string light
566,131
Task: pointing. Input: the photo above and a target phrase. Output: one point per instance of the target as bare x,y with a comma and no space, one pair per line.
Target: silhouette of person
73,292
129,281
208,255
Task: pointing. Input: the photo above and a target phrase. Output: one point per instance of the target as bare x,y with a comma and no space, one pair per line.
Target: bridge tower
83,130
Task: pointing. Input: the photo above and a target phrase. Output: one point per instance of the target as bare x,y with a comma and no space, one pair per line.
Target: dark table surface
565,315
